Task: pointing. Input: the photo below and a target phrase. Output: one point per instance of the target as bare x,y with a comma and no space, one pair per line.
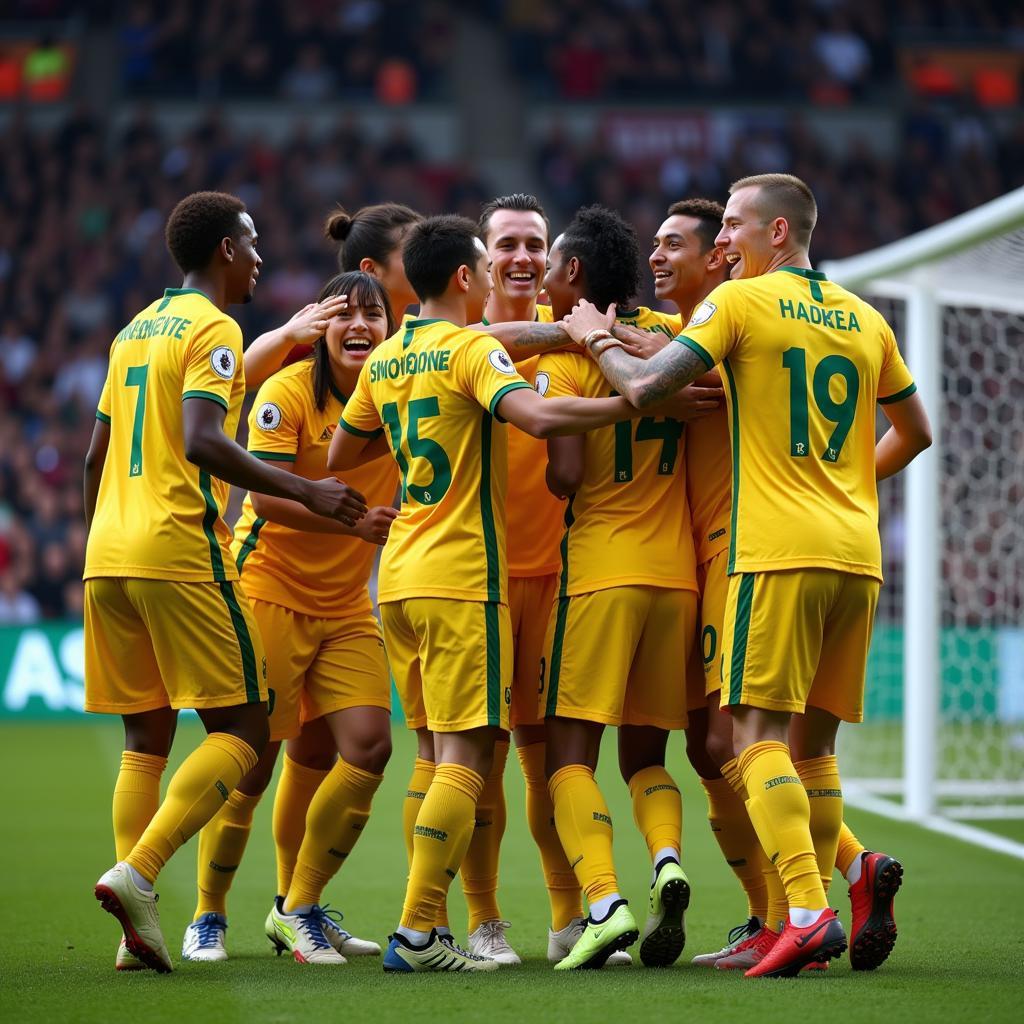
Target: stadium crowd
82,206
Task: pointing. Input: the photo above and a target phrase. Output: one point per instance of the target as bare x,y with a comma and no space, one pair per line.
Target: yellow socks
197,791
419,783
221,845
849,849
295,790
736,838
563,890
136,798
657,809
479,872
820,776
334,824
779,811
441,836
585,829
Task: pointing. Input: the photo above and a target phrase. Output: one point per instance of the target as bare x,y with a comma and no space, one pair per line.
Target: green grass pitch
959,957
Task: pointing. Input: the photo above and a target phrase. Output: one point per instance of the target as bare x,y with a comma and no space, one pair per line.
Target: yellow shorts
316,666
704,672
798,637
618,656
452,661
530,600
154,643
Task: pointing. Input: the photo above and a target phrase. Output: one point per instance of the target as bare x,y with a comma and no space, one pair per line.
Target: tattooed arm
525,338
646,382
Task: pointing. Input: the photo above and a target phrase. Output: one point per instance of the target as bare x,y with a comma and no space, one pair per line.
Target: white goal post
955,295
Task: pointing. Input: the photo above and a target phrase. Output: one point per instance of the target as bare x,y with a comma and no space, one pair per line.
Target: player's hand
311,321
691,403
640,344
335,500
586,317
376,524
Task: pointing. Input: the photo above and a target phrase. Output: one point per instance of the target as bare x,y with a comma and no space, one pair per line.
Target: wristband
595,335
599,347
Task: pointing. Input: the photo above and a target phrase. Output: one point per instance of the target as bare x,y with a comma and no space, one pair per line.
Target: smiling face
518,248
679,263
750,241
355,332
244,268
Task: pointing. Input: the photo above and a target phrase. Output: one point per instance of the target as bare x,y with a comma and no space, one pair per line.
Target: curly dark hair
707,211
434,249
198,224
609,253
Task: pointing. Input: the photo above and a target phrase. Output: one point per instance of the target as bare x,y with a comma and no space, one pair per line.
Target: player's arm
908,436
95,458
525,338
555,417
564,473
350,448
207,446
268,352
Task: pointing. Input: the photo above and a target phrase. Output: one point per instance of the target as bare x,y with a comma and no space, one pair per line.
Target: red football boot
797,947
873,928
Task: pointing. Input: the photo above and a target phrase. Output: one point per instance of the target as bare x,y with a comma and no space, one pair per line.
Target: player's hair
362,290
708,214
784,195
434,249
608,250
197,226
369,233
518,201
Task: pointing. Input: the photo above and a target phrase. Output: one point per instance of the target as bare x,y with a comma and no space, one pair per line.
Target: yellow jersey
646,319
628,524
709,482
434,387
804,362
534,514
319,574
157,515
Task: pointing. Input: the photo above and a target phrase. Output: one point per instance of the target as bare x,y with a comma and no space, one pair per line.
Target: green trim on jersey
208,395
493,638
735,464
411,325
245,648
487,511
516,385
346,426
173,293
563,548
249,544
811,275
104,418
741,630
898,397
273,456
695,346
336,391
210,517
555,668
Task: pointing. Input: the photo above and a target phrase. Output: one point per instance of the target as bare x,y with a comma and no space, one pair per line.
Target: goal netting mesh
978,746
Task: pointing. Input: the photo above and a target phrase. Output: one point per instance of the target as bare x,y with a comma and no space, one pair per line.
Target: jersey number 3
839,413
418,448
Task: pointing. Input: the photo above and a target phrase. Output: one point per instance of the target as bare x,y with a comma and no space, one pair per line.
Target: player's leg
453,661
348,686
655,704
588,652
837,695
764,684
210,656
223,840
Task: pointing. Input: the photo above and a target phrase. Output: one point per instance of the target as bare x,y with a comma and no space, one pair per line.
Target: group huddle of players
604,517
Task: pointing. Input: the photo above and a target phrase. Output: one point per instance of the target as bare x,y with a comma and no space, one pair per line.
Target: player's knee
718,749
371,752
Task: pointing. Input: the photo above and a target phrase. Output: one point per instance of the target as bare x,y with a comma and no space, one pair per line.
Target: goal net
944,726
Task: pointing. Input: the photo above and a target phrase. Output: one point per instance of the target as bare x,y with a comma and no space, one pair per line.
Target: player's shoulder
292,381
545,315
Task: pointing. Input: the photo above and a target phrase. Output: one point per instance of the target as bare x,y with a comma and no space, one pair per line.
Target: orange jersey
319,574
535,517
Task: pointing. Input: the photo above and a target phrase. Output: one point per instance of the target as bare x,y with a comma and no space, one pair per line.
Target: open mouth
359,346
662,275
732,258
521,276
